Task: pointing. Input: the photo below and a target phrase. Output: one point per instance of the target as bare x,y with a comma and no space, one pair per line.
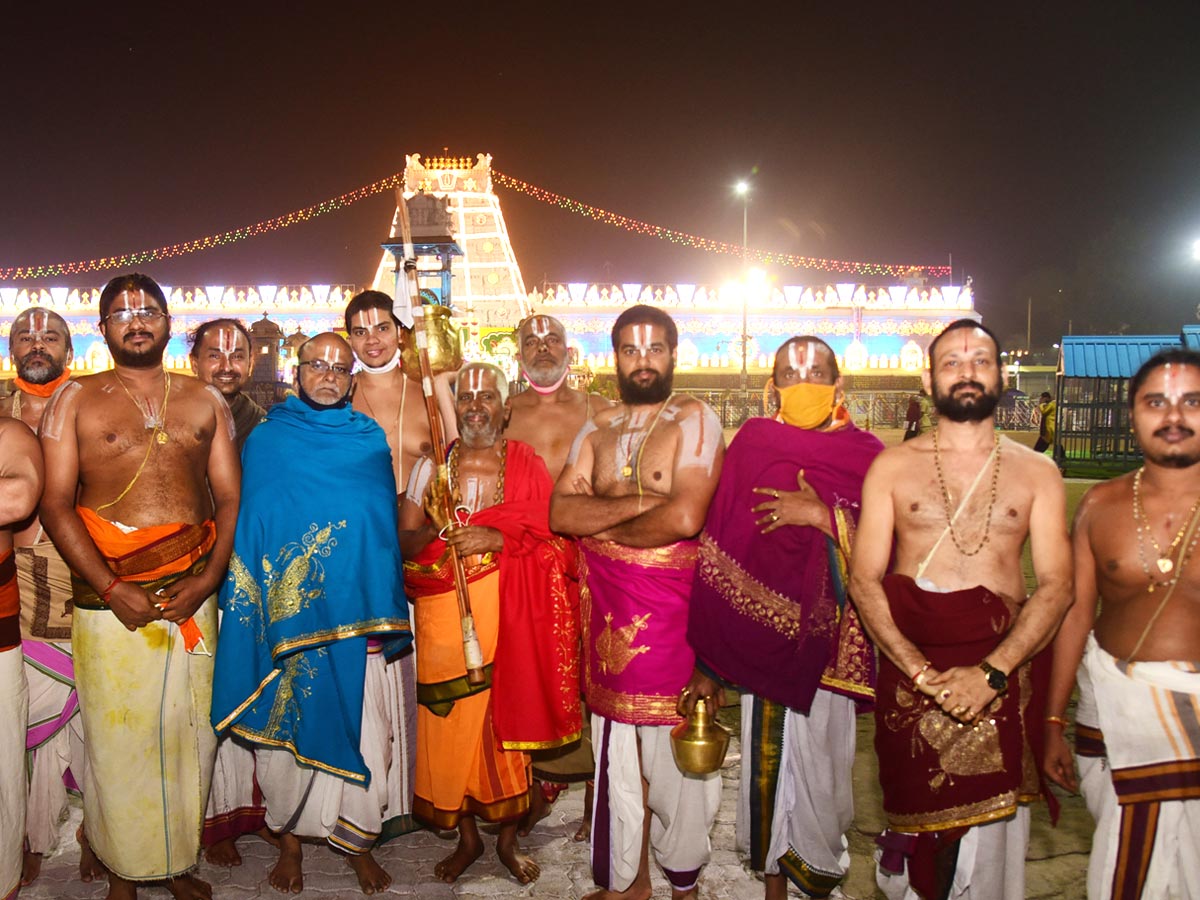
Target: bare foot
268,835
189,887
585,827
120,889
776,887
223,853
539,808
90,867
31,868
288,876
371,876
469,849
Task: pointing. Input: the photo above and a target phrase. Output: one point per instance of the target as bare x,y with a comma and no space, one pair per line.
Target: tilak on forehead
642,335
136,299
801,356
474,383
226,339
37,321
373,316
332,353
541,326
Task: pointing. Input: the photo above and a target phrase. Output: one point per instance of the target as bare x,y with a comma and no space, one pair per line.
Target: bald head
323,372
40,345
542,344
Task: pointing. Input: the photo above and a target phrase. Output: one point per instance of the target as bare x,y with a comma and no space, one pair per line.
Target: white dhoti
54,741
990,866
793,814
311,803
235,804
1145,791
145,704
399,692
683,807
14,711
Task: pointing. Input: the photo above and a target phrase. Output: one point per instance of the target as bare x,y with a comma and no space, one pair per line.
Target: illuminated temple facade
871,328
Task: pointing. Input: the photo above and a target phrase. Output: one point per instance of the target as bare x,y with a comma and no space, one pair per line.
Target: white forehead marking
134,299
333,354
370,317
540,326
38,321
642,335
475,380
227,339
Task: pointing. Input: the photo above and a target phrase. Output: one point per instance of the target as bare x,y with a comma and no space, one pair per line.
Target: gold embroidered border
541,745
745,593
998,807
241,708
618,705
679,555
371,626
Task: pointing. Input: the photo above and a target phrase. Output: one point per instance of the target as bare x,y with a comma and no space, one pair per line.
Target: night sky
1047,151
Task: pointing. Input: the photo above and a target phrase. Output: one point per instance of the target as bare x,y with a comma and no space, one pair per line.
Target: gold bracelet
1058,720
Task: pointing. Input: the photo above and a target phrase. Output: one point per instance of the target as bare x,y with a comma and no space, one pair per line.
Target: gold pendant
627,471
161,437
1165,566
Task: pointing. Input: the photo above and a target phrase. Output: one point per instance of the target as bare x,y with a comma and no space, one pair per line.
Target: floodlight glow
742,188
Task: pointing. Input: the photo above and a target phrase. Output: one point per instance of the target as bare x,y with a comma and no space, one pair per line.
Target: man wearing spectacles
315,586
221,357
141,502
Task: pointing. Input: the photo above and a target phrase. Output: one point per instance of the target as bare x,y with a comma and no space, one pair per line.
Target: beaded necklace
950,512
1166,558
455,487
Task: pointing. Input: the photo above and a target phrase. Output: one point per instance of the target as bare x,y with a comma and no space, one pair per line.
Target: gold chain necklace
633,462
950,513
157,423
1165,558
497,495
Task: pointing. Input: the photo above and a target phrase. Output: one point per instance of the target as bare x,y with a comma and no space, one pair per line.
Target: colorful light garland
635,226
847,267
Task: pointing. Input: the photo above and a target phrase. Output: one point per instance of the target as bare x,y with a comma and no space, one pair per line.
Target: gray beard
39,371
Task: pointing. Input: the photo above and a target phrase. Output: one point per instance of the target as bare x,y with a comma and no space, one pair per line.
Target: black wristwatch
996,679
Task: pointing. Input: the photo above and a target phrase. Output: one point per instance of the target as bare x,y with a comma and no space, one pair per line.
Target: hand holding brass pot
699,743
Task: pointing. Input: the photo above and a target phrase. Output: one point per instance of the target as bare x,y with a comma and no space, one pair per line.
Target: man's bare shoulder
1030,464
893,461
597,404
605,417
1104,498
14,428
685,406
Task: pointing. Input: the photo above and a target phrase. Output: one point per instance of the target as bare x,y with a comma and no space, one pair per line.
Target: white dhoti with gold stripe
14,711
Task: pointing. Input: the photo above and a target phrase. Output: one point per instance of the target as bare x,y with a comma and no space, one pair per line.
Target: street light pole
742,188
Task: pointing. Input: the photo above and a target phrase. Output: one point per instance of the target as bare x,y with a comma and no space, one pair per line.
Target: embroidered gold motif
286,595
745,593
614,646
639,708
961,750
285,711
245,601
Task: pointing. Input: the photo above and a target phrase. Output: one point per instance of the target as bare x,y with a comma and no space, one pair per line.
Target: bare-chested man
385,390
221,356
20,487
141,500
1137,730
41,351
636,488
547,417
956,630
470,737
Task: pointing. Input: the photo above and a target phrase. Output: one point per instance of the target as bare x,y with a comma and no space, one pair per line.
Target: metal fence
868,409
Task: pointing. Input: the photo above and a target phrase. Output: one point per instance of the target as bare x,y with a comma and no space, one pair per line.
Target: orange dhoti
461,768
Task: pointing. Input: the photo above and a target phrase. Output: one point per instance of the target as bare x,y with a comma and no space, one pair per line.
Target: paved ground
1056,867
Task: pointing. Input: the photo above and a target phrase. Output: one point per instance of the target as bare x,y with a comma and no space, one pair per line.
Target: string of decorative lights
767,257
635,226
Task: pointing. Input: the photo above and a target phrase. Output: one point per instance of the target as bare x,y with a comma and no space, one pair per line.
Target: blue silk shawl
316,570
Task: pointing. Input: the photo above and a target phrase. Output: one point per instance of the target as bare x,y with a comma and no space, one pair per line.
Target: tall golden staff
432,322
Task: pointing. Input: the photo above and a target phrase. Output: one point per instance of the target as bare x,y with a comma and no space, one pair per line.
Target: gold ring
774,517
944,695
775,494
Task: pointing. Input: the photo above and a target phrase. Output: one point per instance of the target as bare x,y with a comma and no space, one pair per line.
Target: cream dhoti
14,710
144,701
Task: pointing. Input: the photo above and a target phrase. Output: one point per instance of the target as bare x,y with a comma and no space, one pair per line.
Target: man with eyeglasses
316,582
40,348
141,499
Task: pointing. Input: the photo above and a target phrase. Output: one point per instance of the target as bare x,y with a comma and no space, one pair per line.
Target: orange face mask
807,405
